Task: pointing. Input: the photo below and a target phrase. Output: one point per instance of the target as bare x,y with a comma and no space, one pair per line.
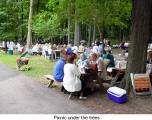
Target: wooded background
66,21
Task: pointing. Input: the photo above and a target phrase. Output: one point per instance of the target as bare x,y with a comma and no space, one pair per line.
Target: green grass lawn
39,66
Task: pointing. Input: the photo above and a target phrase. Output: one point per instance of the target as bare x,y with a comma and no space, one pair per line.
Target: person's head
64,45
70,59
104,52
97,43
94,57
100,54
83,57
81,44
108,52
123,52
63,55
92,44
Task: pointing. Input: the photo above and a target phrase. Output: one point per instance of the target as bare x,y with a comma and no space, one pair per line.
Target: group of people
11,46
69,71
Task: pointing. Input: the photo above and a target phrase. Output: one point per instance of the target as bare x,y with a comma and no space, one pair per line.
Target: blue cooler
117,94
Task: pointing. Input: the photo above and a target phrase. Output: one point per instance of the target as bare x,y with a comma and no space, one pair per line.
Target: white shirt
75,49
71,81
95,49
150,47
126,44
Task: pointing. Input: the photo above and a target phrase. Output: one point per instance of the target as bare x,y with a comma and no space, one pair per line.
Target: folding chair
141,84
118,77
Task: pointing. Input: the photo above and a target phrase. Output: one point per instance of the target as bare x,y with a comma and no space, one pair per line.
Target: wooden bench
51,78
52,81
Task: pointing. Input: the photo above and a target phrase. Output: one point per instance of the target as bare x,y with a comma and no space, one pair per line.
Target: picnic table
120,64
90,78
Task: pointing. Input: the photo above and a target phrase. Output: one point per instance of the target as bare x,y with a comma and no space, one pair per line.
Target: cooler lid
116,91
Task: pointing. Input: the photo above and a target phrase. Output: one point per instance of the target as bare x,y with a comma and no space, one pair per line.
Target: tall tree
94,33
89,36
77,33
69,30
140,35
29,35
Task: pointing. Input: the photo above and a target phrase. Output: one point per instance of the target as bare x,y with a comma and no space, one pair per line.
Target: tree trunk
77,34
6,46
94,33
69,30
89,36
22,7
29,35
37,6
103,31
101,35
120,35
140,35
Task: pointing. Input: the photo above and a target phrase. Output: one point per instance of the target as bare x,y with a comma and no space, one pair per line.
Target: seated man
59,68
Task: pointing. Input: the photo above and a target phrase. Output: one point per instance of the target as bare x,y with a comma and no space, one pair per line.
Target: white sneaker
82,98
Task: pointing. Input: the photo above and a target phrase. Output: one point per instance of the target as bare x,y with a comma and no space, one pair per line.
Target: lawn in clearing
39,66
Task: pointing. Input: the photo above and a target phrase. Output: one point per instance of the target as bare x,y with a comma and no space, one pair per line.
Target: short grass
9,60
39,66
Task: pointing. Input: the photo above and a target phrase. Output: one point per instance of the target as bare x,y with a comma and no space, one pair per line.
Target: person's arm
100,65
76,71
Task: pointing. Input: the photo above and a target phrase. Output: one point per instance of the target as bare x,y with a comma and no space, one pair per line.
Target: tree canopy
51,18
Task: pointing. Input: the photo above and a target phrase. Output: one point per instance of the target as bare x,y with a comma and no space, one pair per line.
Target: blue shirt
100,48
59,70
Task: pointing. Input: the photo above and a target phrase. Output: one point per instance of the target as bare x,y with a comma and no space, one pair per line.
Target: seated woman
99,71
71,80
82,63
109,56
123,55
149,57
